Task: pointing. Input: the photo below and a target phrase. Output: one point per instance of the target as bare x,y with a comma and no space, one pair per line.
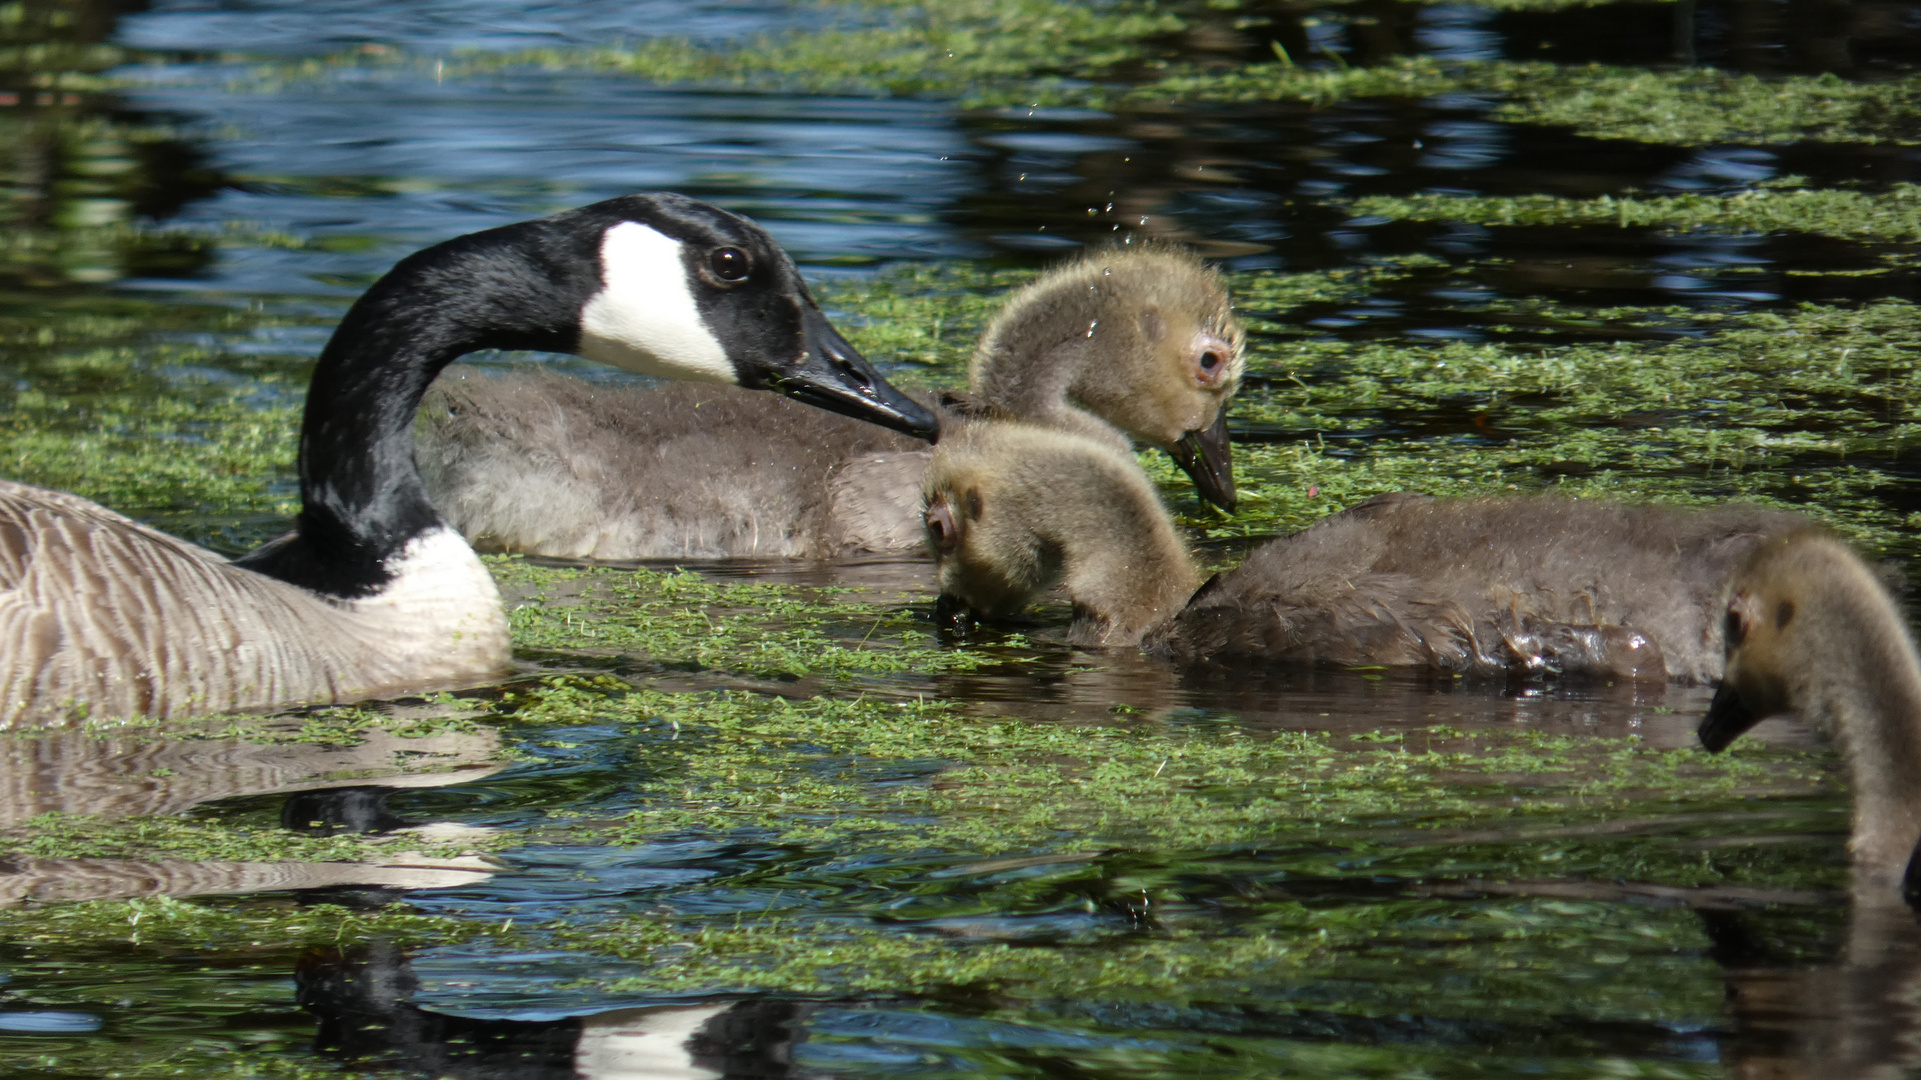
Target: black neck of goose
516,287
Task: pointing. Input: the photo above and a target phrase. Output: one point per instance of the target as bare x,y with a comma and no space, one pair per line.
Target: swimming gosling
1537,585
1811,631
1118,345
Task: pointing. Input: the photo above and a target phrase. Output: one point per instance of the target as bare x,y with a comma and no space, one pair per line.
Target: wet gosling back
1811,631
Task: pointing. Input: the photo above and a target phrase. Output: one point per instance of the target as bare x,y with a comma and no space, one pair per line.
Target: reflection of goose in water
48,881
362,999
79,773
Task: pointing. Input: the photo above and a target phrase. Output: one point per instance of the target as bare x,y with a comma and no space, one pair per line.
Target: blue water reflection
296,27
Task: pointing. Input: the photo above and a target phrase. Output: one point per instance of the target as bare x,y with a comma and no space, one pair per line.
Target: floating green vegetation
1698,106
927,316
686,621
1893,216
916,776
1687,107
987,49
1101,832
1282,80
1805,407
94,405
1297,957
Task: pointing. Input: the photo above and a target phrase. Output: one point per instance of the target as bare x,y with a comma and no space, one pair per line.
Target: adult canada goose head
1145,337
1811,631
655,283
689,291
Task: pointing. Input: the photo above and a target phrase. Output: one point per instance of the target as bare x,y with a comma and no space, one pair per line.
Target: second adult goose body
1472,585
1118,345
372,593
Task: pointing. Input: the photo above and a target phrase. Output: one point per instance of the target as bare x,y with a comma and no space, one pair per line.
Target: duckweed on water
1686,107
1808,407
683,620
1296,959
1099,833
987,49
867,775
86,836
1893,216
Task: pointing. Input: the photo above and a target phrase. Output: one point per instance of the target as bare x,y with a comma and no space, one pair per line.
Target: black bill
836,377
1208,457
1728,716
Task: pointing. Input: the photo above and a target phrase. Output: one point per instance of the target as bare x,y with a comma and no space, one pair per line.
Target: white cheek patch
644,318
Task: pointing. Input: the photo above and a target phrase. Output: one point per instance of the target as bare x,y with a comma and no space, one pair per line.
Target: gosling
1811,631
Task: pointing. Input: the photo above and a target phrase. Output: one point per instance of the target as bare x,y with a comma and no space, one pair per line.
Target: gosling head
982,523
1808,628
1149,342
1011,510
690,291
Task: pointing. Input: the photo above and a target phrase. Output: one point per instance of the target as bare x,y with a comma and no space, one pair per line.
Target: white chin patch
644,318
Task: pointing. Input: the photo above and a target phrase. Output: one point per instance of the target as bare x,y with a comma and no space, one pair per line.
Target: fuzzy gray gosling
1008,516
1811,631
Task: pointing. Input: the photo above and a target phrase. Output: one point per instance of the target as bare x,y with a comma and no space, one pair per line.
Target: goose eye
729,264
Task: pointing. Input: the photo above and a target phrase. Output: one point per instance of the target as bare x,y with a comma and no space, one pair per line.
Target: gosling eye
1210,362
729,264
974,506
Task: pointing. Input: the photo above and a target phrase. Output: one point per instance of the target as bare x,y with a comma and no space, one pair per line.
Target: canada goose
1472,585
1810,630
372,592
1119,344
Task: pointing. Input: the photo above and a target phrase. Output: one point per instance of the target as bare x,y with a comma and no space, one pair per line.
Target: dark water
354,167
